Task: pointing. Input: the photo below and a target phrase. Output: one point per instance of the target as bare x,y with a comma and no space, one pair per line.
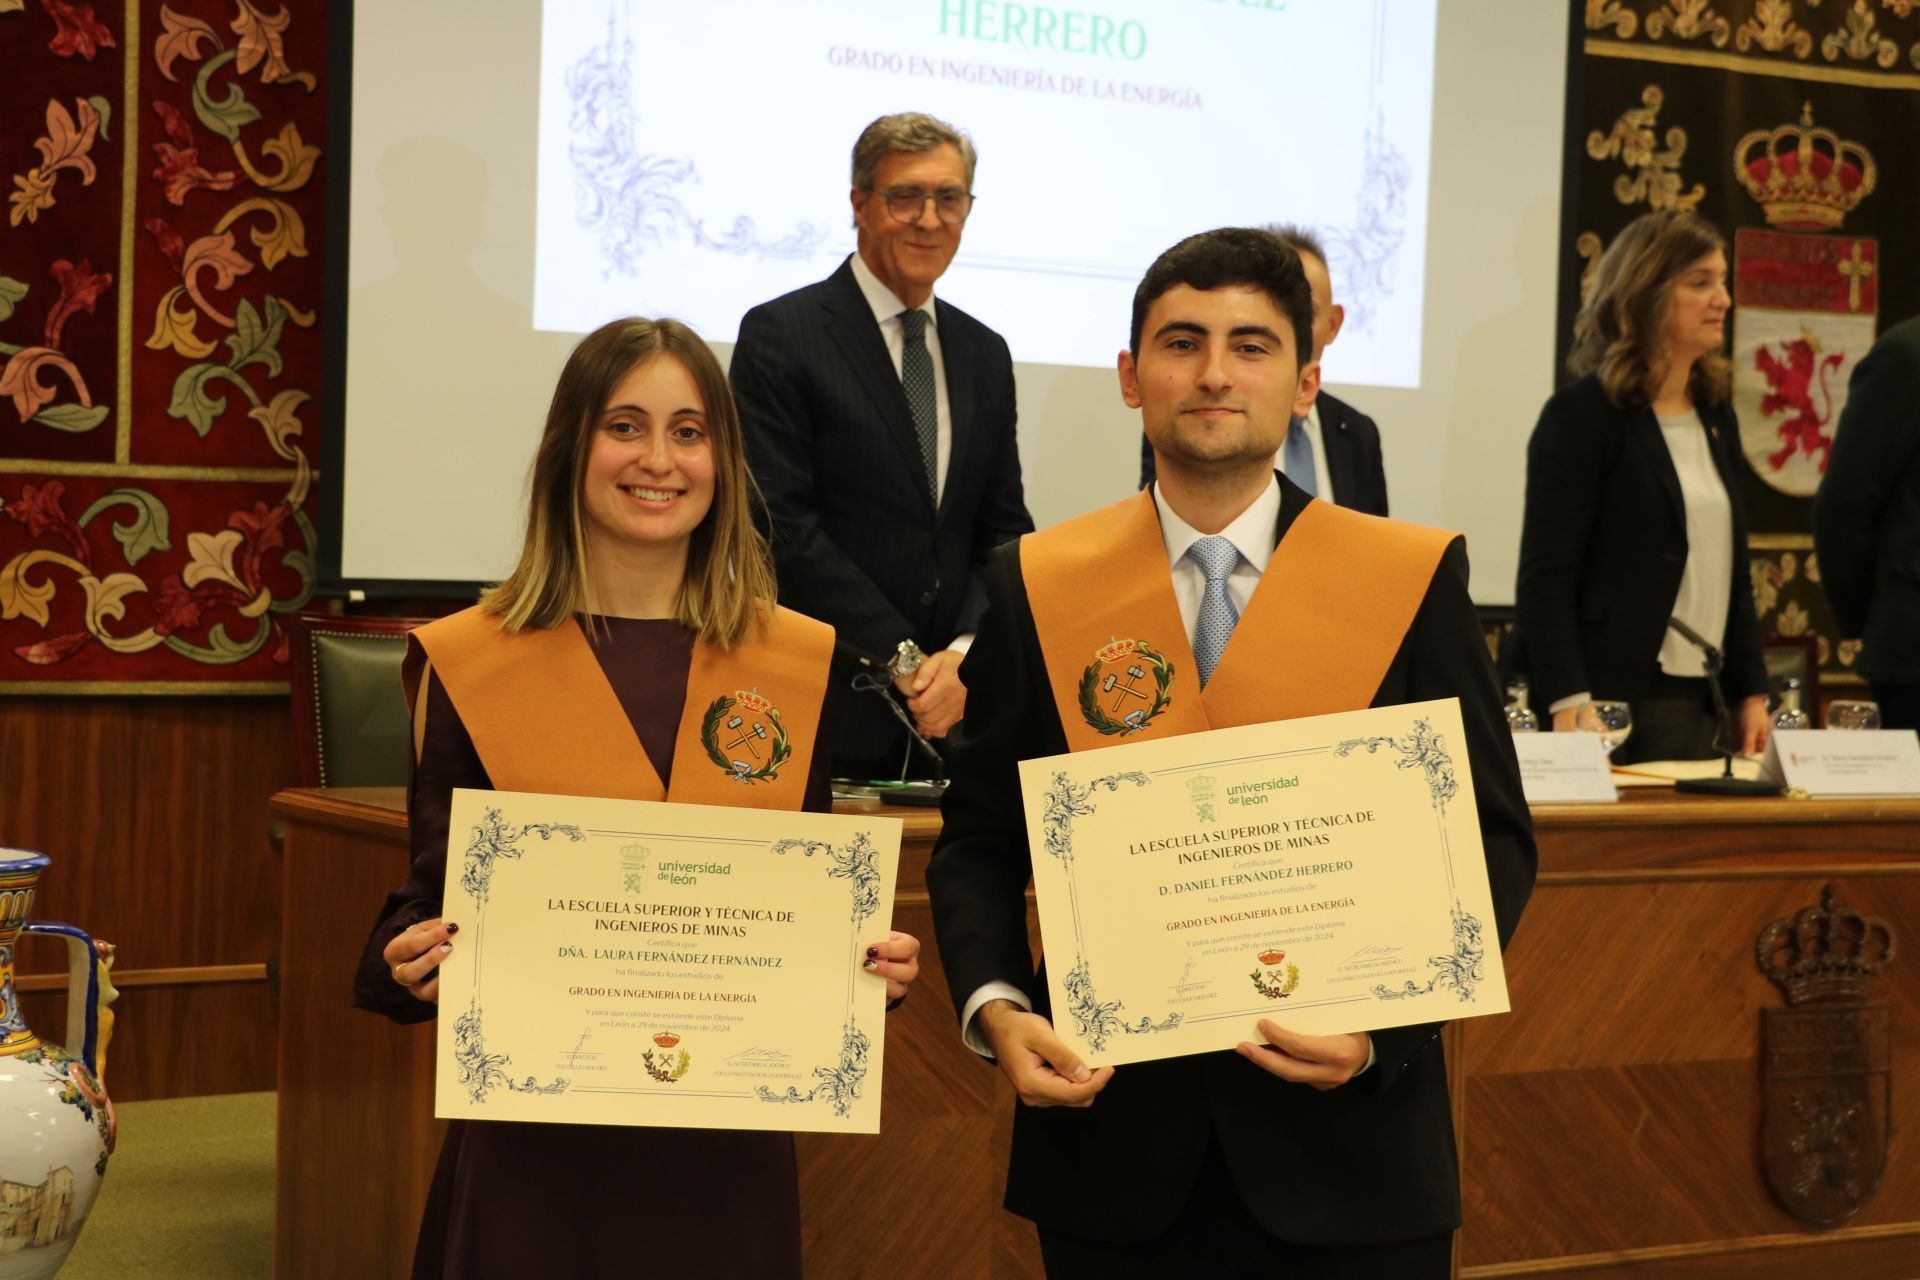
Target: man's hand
1042,1069
934,693
1325,1062
1752,724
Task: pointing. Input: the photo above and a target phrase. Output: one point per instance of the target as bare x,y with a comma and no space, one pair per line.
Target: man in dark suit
1301,1154
1866,521
879,422
1333,449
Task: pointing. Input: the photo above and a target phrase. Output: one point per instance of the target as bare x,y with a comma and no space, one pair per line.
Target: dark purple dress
583,1201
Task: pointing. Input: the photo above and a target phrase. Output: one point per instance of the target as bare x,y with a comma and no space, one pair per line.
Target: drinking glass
1613,721
1523,719
1856,714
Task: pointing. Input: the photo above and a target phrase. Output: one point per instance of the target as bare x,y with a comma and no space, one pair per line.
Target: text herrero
1266,837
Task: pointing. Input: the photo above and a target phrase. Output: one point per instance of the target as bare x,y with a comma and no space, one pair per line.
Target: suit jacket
1866,515
857,540
1354,465
1370,1162
1602,545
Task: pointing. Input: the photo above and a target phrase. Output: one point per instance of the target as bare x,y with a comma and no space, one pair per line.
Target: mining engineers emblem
744,736
666,1068
1268,979
1125,687
1825,1061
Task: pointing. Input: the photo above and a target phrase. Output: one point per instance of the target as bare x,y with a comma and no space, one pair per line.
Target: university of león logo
1125,687
742,734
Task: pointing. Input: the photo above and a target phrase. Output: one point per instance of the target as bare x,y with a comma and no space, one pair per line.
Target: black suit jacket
1602,546
856,538
1370,1162
1866,515
1354,465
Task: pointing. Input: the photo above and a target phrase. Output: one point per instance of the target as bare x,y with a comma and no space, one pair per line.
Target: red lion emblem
1790,390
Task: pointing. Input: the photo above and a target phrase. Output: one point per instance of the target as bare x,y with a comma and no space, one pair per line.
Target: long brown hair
729,580
1621,332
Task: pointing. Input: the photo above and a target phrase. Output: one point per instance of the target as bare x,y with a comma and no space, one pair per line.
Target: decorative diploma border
493,841
1096,1021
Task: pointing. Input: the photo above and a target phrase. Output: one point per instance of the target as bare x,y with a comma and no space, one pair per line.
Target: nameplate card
1829,762
1564,768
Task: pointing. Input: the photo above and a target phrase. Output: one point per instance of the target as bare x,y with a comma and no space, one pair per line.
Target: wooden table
1609,1125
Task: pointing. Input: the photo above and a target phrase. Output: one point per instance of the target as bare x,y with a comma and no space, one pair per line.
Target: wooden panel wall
154,811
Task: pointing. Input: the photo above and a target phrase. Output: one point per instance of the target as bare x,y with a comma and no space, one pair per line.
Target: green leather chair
350,721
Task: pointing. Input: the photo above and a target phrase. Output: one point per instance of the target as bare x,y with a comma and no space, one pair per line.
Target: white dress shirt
1251,533
886,314
1704,594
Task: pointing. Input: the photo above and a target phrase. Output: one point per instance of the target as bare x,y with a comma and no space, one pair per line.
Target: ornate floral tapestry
1792,126
159,351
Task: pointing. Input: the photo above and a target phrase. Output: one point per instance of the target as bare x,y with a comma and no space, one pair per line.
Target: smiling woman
641,601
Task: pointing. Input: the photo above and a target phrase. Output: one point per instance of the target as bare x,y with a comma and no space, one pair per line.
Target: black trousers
1215,1235
1675,720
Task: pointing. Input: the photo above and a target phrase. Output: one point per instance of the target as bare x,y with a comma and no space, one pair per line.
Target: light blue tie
1296,457
1216,558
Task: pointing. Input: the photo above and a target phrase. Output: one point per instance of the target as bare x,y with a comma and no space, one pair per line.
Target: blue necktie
916,376
1296,457
1216,558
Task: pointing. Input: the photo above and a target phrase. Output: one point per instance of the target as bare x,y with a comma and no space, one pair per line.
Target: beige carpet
188,1195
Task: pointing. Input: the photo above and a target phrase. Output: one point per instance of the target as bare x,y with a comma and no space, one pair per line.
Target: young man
880,424
1298,1155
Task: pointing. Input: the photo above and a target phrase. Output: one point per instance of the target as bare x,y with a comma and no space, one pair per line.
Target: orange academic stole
1317,636
543,717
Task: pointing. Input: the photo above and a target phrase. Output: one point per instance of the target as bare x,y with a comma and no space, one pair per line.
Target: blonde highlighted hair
1621,332
729,583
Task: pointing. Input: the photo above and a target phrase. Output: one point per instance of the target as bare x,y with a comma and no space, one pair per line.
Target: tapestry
1791,127
160,360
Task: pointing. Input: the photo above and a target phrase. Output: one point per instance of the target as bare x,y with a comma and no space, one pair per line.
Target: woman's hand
1752,725
414,957
897,960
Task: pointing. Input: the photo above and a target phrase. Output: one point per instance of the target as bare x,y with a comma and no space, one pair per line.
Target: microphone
1726,784
881,685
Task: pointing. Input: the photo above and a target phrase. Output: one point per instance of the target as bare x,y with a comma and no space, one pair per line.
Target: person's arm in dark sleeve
447,760
1565,472
777,423
1873,448
1448,658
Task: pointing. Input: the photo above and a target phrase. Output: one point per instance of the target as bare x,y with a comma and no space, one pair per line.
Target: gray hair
1298,239
908,131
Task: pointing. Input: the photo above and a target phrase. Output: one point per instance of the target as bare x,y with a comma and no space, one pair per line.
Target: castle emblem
1125,687
743,735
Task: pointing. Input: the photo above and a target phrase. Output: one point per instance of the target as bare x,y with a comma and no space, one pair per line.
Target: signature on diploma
758,1054
1370,953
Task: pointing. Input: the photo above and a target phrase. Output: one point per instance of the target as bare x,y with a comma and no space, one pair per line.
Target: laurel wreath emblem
1272,986
665,1068
779,747
1132,721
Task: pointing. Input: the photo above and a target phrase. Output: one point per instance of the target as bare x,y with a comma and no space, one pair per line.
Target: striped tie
1296,457
1216,558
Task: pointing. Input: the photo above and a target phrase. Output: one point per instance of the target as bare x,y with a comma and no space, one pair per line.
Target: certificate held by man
1324,872
633,963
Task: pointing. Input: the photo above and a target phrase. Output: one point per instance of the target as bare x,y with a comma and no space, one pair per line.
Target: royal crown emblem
743,735
666,1066
1825,954
1125,687
1268,979
1804,178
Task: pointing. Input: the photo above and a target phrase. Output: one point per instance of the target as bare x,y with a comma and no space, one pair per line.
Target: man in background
1866,521
879,422
1333,451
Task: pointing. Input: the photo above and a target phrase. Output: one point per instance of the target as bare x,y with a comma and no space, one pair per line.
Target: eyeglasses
950,204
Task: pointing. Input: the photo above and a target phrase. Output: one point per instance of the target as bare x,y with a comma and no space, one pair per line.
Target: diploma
623,962
1325,872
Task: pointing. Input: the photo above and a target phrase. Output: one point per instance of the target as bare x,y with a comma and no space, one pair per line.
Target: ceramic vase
56,1124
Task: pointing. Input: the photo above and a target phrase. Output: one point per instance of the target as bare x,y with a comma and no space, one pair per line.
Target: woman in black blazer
1633,509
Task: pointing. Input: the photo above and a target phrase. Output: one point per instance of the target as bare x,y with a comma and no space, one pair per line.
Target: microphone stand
903,792
1726,784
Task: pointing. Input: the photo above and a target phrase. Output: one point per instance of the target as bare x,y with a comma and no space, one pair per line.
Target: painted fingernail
446,946
872,952
871,964
452,927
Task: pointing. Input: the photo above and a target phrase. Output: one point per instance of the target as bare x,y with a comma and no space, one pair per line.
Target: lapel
1643,429
957,354
850,321
1339,446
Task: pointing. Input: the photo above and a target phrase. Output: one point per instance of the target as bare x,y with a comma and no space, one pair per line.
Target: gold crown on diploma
1825,954
666,1039
1117,650
1804,178
750,701
1202,783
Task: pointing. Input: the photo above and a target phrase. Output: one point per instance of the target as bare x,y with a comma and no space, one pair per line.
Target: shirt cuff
961,644
1571,700
970,1031
1373,1056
